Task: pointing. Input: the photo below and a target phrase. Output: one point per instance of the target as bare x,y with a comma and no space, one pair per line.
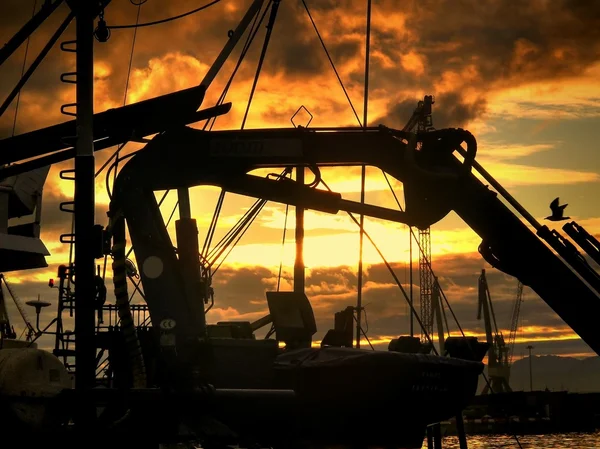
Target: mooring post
437,436
429,437
460,430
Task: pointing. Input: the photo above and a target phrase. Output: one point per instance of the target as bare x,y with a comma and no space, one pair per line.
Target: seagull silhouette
557,211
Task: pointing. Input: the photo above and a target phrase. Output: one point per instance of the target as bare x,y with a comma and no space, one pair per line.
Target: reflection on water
558,441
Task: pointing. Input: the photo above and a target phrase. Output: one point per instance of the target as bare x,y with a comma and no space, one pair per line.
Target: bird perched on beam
558,211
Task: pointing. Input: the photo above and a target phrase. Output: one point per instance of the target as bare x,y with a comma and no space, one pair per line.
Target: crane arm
6,330
30,329
224,159
435,182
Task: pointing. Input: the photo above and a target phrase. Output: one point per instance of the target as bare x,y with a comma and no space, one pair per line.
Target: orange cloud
413,62
550,100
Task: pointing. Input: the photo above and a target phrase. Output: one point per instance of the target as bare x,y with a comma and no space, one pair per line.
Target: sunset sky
522,76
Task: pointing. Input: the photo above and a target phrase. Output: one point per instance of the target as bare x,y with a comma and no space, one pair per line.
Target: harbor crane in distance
514,322
6,329
498,359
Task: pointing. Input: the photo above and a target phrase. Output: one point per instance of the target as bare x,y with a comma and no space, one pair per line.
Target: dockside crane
514,322
422,120
7,331
5,327
498,364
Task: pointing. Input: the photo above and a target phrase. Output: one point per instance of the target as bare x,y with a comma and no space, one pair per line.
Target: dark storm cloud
523,41
333,289
55,220
242,289
449,111
338,276
294,48
501,44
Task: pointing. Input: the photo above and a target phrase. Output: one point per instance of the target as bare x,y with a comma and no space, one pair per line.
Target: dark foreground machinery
184,379
323,379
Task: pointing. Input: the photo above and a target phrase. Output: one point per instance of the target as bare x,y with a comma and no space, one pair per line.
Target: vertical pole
183,198
429,437
85,348
410,278
360,260
460,430
437,436
530,369
362,181
4,212
299,262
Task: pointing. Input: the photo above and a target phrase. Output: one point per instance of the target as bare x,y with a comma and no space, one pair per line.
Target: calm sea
558,441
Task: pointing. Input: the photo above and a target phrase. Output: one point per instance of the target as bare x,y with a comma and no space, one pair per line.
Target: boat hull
348,396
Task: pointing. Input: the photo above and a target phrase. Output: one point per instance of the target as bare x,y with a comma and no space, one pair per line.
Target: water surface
557,441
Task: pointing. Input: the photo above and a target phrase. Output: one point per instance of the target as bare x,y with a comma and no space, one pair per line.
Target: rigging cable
23,73
249,39
158,22
331,62
120,147
363,331
231,234
235,234
249,222
261,59
251,34
287,208
213,223
487,381
426,260
116,154
221,99
391,270
363,175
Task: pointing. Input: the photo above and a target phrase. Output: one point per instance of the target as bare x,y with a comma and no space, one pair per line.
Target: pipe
117,226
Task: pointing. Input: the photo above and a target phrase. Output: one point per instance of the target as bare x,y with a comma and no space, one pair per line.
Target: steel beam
27,30
34,65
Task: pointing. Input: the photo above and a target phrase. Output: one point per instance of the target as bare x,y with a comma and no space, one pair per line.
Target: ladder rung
67,206
64,174
69,46
67,238
63,109
69,77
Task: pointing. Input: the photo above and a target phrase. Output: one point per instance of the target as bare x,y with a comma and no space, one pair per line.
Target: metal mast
299,270
85,348
425,268
421,118
426,282
359,305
